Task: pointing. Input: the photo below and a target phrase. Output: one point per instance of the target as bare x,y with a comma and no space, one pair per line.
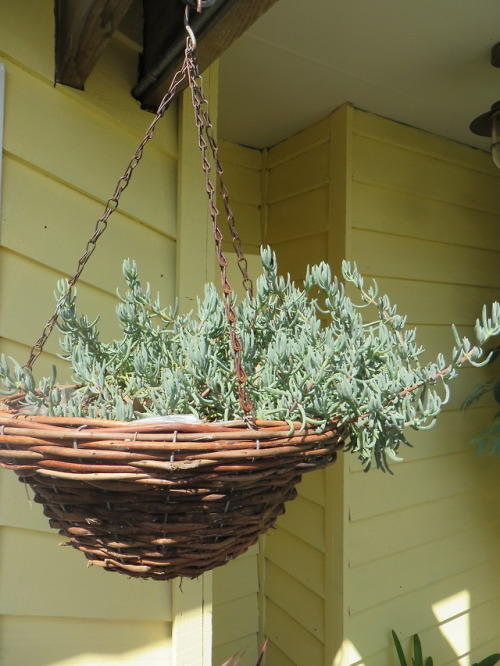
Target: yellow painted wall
297,198
425,222
63,153
356,554
243,177
236,585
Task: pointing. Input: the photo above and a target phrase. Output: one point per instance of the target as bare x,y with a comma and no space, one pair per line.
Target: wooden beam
83,28
215,28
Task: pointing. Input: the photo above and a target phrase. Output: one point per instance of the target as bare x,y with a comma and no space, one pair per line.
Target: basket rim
16,422
88,449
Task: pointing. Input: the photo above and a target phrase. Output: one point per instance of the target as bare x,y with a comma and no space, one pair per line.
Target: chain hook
191,37
200,4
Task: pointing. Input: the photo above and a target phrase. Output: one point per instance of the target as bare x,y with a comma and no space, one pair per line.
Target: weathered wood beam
215,28
83,28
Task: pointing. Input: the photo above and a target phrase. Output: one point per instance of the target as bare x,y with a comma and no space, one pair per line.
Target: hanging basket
160,500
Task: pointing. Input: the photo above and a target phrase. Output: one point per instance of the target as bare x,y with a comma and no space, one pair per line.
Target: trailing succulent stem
489,438
311,354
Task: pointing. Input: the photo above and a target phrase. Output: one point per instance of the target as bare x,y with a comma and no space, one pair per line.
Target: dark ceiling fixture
488,124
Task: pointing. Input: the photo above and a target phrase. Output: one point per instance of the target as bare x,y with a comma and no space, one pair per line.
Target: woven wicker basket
163,500
160,500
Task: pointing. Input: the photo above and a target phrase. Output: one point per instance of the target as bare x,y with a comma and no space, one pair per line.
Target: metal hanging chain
207,140
188,69
111,206
204,124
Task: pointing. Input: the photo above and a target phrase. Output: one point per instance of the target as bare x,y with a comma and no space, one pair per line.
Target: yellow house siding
60,164
67,156
423,224
22,593
67,641
63,153
236,585
354,555
297,200
417,551
236,617
294,588
242,176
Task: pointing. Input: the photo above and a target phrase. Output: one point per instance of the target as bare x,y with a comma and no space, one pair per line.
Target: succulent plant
310,353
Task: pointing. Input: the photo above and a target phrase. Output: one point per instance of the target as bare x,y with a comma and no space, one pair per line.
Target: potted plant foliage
311,354
160,408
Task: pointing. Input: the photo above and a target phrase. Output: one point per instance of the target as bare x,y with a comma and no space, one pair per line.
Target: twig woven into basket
160,500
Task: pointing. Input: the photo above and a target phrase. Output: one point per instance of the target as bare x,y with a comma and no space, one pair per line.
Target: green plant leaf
399,649
489,661
417,652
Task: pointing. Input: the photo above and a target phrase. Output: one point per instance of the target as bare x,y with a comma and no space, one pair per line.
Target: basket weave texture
161,500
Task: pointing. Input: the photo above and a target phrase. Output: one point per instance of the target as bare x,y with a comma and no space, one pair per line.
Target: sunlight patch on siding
452,614
347,655
152,655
